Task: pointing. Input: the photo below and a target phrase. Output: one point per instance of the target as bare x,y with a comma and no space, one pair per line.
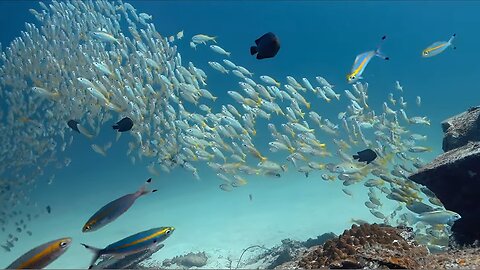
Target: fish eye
63,244
87,228
425,52
167,231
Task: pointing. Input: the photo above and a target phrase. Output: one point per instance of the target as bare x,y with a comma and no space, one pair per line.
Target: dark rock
461,129
454,177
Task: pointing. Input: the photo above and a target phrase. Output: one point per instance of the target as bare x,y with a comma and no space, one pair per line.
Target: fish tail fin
97,252
143,189
214,39
378,51
228,54
253,50
452,38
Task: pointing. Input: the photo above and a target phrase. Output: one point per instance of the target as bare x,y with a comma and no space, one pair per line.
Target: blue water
317,38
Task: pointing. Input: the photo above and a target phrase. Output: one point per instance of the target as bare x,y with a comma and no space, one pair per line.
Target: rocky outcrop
454,176
461,129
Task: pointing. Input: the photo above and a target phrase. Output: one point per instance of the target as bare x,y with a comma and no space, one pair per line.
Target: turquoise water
317,38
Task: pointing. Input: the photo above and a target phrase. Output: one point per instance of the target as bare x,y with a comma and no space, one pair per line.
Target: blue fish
132,244
361,62
437,47
114,209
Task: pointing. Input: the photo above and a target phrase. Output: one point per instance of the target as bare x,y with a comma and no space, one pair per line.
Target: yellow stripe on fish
153,235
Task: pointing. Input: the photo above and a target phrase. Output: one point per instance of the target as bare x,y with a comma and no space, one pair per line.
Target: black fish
49,209
123,125
268,46
73,125
367,155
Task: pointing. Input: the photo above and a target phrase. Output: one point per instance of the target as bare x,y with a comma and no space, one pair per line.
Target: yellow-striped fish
114,209
361,62
437,47
132,244
42,255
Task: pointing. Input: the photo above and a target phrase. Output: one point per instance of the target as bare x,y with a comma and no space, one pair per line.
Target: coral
188,260
366,246
288,251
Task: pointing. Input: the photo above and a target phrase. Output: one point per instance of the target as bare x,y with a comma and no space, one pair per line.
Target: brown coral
366,246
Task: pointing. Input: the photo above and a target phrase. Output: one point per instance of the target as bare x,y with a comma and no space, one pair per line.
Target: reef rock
370,246
188,260
454,177
461,129
284,255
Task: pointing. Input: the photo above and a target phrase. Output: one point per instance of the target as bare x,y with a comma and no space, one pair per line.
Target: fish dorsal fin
262,37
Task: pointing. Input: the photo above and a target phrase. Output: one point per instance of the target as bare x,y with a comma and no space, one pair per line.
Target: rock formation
454,176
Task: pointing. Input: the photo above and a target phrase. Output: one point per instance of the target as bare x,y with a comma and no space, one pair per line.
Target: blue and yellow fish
437,47
132,244
42,255
114,209
361,62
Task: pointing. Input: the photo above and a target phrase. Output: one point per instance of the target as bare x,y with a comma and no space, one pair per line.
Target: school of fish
99,62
